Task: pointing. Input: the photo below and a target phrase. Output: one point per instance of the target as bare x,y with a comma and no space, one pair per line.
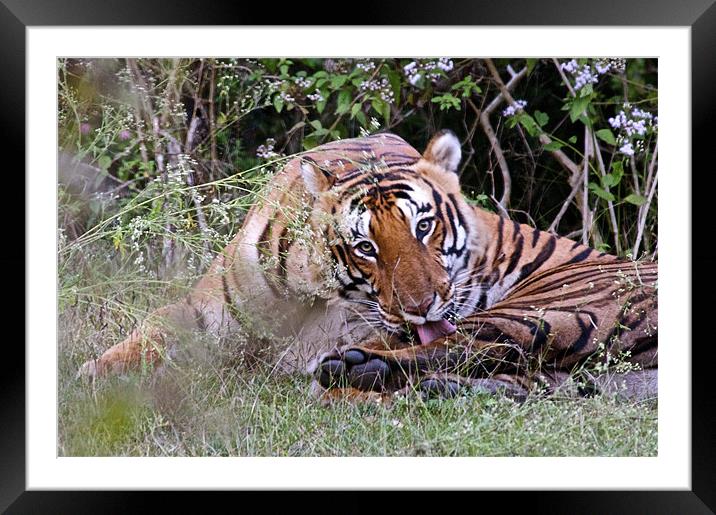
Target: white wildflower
518,106
445,64
315,97
302,82
266,150
366,66
627,149
584,77
570,66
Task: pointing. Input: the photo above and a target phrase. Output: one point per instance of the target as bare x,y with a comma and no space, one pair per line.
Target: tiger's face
400,237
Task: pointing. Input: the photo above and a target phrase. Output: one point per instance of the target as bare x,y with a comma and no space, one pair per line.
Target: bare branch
563,159
505,89
484,117
610,204
643,211
564,77
585,191
555,223
652,166
644,208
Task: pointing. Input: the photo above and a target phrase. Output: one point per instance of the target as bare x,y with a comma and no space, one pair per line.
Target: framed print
481,192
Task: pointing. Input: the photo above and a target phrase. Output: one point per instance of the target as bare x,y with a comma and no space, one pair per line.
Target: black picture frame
700,15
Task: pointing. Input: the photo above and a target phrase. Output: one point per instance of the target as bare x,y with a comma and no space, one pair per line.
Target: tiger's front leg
442,368
390,365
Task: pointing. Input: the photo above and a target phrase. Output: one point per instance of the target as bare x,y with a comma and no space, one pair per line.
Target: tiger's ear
444,150
316,179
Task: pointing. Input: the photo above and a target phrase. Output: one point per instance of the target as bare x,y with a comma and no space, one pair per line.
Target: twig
610,204
500,208
652,166
635,175
501,161
585,191
563,159
468,141
555,223
527,216
572,234
505,89
123,185
212,124
564,77
484,117
134,72
643,212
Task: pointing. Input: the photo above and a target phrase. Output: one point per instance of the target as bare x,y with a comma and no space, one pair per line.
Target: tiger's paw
353,368
446,386
439,387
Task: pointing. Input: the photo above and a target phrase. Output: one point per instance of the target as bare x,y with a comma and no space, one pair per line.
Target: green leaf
599,192
360,116
338,80
617,171
531,65
104,162
542,118
606,136
635,199
608,180
386,113
377,105
447,101
553,145
309,143
278,103
572,140
468,86
356,107
578,106
529,124
344,101
321,104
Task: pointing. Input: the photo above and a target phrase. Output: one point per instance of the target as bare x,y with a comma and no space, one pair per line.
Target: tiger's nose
421,309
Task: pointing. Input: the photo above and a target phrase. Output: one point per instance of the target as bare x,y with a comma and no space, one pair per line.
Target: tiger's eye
366,247
423,227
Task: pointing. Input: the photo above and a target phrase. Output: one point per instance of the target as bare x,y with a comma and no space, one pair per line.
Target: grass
221,405
268,416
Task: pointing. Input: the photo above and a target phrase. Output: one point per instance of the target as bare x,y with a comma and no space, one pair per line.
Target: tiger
367,262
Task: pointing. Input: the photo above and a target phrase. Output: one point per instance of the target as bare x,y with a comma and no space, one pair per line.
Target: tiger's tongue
430,331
